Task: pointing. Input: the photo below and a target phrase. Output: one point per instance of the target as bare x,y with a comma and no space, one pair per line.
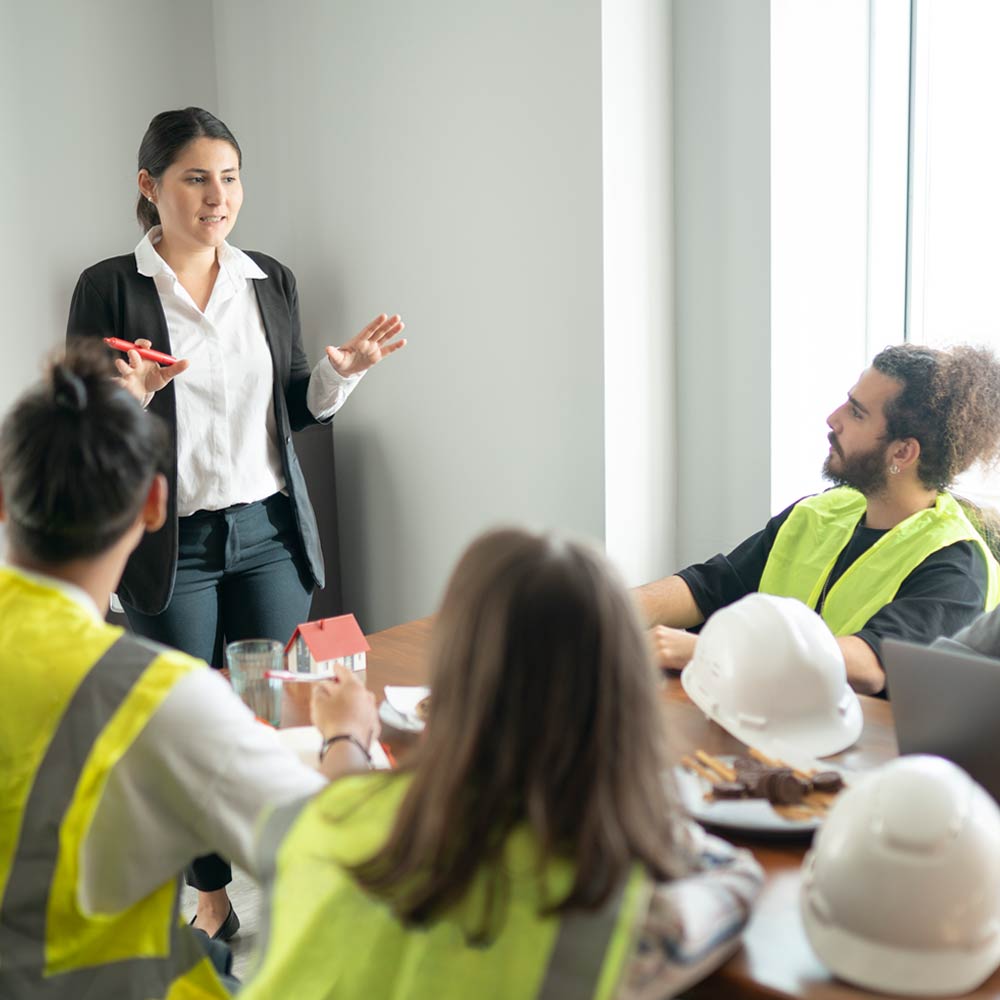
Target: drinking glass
248,661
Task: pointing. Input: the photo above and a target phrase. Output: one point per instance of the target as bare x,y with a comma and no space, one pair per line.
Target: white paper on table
305,743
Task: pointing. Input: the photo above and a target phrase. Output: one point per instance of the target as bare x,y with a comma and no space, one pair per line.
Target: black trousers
240,575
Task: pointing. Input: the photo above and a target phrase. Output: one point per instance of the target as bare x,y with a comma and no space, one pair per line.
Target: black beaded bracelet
327,743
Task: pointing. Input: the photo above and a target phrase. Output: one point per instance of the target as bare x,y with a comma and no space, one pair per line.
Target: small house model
316,647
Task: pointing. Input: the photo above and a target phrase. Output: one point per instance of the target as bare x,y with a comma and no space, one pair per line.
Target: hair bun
69,390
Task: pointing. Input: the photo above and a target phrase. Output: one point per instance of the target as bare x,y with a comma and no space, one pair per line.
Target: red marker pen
144,352
389,756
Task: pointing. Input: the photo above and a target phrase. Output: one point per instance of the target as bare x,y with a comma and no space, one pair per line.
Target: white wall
457,162
443,161
722,245
79,83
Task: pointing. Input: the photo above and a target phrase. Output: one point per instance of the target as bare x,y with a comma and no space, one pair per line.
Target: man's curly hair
950,402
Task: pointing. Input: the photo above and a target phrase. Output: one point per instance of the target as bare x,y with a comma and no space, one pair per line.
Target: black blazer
113,300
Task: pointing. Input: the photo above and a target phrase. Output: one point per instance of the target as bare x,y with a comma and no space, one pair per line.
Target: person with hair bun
889,551
240,553
105,789
532,846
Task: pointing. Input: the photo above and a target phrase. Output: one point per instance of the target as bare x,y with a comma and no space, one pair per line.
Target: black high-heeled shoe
228,927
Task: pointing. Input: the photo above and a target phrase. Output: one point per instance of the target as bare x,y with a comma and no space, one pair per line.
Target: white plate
400,707
405,699
743,815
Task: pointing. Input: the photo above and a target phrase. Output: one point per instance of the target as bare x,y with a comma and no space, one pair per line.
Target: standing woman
240,554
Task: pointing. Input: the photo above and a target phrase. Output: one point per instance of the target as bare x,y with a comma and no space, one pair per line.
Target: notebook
946,701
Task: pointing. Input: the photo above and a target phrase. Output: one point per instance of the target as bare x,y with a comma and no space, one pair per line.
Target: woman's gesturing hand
143,378
368,347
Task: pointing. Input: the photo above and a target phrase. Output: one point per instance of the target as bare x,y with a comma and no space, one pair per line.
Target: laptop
946,701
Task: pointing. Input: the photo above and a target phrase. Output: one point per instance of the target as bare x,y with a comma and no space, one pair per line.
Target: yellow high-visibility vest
817,530
330,939
75,694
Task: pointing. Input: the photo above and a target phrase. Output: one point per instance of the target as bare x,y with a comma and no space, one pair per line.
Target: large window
885,202
953,293
819,228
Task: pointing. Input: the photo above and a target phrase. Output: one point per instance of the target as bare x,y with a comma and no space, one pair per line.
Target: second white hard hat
768,670
901,890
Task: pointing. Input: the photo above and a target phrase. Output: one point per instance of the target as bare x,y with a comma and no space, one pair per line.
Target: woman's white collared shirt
227,438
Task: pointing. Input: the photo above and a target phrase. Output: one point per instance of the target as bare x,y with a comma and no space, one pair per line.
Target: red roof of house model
330,638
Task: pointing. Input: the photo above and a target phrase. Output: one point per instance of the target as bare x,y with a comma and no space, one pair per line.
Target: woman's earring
893,469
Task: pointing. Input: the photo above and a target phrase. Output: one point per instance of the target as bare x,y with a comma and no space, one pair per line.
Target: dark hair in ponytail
168,133
77,456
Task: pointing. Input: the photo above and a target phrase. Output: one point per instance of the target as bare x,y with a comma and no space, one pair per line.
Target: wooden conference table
776,959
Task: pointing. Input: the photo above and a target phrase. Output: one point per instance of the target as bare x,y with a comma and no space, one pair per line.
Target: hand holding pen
146,371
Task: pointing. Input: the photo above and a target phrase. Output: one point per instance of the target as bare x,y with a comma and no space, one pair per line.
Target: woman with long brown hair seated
532,845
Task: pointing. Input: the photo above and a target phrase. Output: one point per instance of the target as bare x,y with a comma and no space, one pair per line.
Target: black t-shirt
943,594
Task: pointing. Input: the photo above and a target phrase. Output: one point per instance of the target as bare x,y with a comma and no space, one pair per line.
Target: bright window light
954,294
819,228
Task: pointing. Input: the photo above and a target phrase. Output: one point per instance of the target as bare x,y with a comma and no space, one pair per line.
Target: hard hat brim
889,969
809,739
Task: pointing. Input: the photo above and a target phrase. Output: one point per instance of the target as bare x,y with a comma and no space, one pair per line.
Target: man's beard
865,472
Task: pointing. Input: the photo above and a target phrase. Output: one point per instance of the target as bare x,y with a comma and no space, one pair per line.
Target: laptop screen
946,701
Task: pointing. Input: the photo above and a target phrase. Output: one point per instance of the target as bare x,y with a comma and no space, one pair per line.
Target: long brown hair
544,712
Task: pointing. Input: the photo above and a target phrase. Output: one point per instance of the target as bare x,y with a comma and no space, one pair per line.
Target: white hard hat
768,670
901,890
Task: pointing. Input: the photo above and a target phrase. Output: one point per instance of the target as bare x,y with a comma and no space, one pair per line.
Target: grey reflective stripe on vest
273,831
578,954
25,901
